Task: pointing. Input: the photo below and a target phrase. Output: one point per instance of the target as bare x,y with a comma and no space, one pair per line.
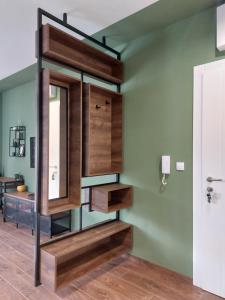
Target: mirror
58,143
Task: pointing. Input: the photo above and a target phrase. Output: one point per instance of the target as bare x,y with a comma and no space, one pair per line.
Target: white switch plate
180,166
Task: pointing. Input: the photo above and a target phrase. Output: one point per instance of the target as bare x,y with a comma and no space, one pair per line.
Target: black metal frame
38,157
14,130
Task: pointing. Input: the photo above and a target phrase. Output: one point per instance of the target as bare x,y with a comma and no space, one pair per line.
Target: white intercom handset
165,168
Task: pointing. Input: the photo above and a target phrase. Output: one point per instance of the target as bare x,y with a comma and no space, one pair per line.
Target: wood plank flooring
126,278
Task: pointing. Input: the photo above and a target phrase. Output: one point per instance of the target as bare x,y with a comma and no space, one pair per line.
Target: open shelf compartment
66,49
111,197
66,260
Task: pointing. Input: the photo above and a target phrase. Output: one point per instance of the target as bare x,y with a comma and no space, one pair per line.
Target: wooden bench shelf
111,197
65,260
102,131
64,48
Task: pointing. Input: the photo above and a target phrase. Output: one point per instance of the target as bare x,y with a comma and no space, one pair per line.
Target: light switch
180,166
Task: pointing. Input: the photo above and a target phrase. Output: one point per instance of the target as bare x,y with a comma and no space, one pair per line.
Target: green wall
157,120
18,108
158,93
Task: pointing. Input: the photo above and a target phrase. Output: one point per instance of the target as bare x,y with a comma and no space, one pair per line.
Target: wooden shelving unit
94,135
111,197
102,131
66,49
74,256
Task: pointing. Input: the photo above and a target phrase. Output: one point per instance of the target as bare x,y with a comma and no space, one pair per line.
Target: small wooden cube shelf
65,260
63,47
102,131
111,197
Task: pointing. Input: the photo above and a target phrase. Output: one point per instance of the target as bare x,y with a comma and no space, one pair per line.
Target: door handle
211,179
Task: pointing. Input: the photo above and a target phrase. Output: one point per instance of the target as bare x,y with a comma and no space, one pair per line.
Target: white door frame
197,153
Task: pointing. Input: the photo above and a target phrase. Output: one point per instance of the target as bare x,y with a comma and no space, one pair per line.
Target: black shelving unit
17,141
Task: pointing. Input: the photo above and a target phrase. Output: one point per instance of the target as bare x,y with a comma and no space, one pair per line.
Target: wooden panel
65,48
77,255
48,273
88,261
8,180
111,197
63,186
100,140
63,248
20,195
74,142
117,135
102,131
45,142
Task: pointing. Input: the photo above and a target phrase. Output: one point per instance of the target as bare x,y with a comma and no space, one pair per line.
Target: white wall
18,24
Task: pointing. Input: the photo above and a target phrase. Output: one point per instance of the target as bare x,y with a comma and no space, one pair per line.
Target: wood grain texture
73,257
63,164
111,197
8,293
123,278
74,88
65,48
20,195
8,180
102,131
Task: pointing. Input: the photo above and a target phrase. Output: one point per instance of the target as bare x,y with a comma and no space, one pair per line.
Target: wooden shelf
56,208
66,49
102,131
111,197
65,260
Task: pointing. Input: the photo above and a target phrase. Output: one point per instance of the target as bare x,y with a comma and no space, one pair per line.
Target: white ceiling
18,24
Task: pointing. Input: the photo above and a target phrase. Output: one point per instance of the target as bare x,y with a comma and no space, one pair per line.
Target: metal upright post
65,18
118,85
104,40
38,150
118,174
90,199
81,218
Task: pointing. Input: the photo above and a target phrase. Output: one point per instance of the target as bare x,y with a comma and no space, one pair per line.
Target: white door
209,178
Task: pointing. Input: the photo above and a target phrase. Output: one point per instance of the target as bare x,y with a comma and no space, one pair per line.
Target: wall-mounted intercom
165,163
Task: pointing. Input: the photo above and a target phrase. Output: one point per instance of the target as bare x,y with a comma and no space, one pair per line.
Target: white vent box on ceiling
221,27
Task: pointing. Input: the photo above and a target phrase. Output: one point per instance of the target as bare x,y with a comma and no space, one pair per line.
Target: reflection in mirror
58,143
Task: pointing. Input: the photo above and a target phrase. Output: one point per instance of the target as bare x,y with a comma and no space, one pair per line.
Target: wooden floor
124,278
